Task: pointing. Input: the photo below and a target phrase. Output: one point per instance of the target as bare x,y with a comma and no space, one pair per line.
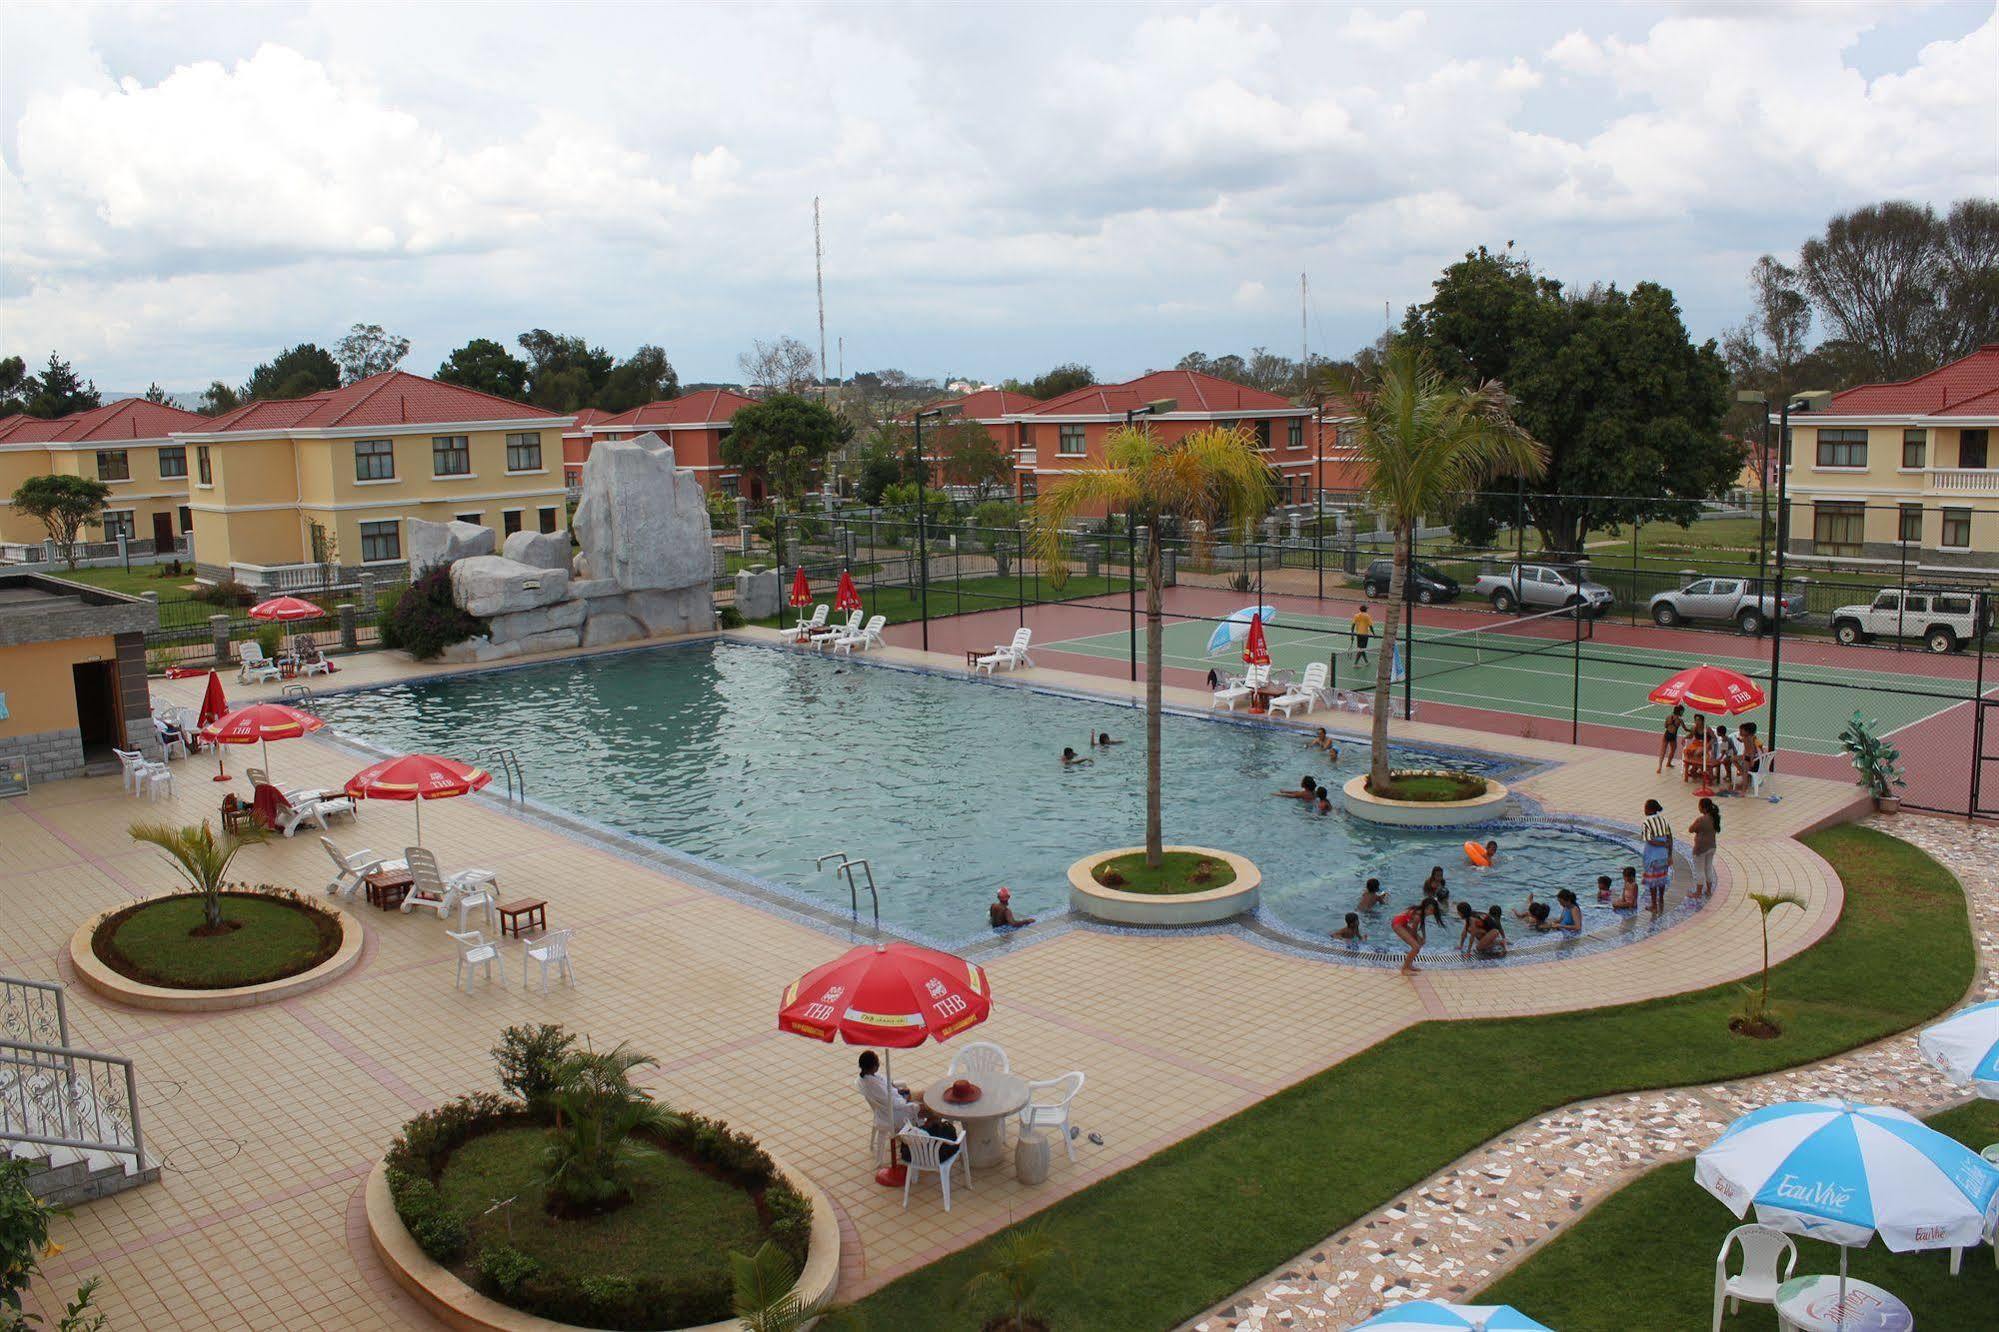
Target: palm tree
1213,477
764,1300
201,857
1423,442
1016,1260
1765,904
598,1111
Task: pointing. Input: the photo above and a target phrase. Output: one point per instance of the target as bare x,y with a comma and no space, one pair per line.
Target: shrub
729,617
600,1118
997,513
438,1231
270,638
426,620
228,592
530,1061
427,1141
502,1269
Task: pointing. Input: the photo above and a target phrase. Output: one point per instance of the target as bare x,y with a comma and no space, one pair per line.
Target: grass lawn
1195,1222
153,942
1175,873
1675,1228
965,595
141,578
1432,786
680,1221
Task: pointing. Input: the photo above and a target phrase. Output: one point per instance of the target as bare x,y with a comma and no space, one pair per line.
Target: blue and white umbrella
1965,1047
1235,628
1426,1315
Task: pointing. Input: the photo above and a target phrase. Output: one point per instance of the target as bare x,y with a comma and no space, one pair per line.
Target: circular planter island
1236,892
1434,813
156,954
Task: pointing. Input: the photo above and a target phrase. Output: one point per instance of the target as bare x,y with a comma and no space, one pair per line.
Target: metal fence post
1981,605
1576,679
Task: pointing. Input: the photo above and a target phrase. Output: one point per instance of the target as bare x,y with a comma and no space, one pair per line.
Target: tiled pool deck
268,1120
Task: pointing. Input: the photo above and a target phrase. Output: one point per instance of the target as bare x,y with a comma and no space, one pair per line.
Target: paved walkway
1464,1227
267,1120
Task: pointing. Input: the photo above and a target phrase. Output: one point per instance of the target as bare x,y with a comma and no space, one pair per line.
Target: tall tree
155,394
785,439
1064,378
968,455
646,377
1968,247
293,373
59,390
1213,477
369,349
218,398
487,366
62,503
1262,369
1873,278
1424,440
565,373
17,386
783,366
1625,403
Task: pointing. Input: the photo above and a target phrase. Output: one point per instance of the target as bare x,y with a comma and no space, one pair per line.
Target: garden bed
1430,798
1177,872
1168,895
1429,787
164,941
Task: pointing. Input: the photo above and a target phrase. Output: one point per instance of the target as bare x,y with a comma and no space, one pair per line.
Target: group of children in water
1480,934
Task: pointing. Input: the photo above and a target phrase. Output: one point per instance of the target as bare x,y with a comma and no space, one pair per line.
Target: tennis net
1495,644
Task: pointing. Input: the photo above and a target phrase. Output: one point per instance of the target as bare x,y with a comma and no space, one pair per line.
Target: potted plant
1877,761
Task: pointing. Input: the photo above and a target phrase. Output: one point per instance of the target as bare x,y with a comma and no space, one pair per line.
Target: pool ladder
508,765
847,866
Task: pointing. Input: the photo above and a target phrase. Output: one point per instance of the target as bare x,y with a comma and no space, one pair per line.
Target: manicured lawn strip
141,578
1158,1242
681,1222
1432,786
1650,1247
1175,873
277,939
967,595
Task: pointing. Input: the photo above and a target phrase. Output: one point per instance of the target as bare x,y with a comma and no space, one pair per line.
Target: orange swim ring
1477,856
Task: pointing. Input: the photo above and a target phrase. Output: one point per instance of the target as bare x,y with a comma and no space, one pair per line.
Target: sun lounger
1009,656
1242,687
1308,693
865,638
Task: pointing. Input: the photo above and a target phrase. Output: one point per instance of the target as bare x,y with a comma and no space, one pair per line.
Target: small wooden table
388,887
1259,699
1001,1095
523,915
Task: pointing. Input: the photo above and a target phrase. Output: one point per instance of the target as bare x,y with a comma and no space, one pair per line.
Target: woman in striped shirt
1658,863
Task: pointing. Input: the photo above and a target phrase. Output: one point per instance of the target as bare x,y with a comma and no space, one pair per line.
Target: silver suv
1544,587
1724,599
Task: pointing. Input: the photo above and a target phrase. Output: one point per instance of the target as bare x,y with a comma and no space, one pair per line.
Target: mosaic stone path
1461,1229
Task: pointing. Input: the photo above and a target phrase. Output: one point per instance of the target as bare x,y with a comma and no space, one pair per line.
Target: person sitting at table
1307,790
929,1121
892,1103
999,912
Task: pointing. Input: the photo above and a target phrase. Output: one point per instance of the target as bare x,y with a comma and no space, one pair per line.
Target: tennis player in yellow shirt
1363,629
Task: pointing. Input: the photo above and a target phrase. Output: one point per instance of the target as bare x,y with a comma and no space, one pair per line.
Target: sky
185,189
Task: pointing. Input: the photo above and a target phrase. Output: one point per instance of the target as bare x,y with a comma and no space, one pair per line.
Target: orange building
576,445
694,425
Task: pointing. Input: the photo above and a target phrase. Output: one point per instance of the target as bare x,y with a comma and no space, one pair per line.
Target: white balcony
1964,481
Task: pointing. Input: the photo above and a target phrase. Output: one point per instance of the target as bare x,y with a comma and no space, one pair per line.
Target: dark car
1425,583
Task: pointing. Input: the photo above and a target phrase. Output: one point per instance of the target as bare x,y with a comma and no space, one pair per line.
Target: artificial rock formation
543,550
489,585
432,544
641,520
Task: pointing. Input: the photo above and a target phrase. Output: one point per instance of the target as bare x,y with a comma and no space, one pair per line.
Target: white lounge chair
927,1153
314,804
1241,687
252,665
474,951
350,870
1308,693
979,1057
1039,1113
1767,1259
430,888
809,623
823,638
551,950
307,660
864,638
1010,656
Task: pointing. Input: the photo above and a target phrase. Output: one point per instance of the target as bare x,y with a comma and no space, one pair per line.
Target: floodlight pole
1802,401
922,525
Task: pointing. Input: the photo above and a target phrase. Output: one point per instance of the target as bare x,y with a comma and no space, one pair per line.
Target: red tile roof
392,398
708,407
985,404
127,419
1192,391
586,418
1965,387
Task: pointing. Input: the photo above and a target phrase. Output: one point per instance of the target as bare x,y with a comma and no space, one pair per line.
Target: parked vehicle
1425,584
1543,587
1943,619
1725,599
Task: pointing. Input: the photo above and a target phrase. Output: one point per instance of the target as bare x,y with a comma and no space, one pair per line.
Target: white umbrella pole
1842,1285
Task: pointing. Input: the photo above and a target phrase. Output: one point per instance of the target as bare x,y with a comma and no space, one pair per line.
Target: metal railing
54,1094
508,764
32,1012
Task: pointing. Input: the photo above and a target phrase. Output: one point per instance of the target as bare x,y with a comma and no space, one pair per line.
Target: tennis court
1526,667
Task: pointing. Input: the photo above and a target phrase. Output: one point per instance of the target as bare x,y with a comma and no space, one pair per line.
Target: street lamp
1157,407
922,519
1802,401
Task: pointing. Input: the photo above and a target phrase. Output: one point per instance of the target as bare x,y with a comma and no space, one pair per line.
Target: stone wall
51,755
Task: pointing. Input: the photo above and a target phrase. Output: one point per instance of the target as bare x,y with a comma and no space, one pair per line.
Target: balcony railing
1964,481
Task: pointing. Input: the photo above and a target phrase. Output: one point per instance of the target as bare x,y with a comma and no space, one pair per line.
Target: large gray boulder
489,585
641,520
554,640
479,649
685,611
592,588
757,594
543,550
526,624
432,544
611,627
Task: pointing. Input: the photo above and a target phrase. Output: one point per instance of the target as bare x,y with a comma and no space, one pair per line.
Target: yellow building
72,678
128,445
1902,473
282,489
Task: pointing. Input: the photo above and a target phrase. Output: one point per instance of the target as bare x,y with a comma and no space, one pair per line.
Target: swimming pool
762,759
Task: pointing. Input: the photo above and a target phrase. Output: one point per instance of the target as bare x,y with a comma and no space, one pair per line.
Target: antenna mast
1304,339
819,279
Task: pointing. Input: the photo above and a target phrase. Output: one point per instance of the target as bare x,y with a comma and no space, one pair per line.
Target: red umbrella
214,707
261,723
416,777
1710,689
846,598
801,591
285,608
1255,652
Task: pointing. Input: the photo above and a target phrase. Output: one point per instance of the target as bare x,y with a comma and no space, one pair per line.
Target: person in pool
1307,790
1568,912
1492,939
1371,896
1472,925
1071,759
1325,742
1535,914
1408,927
1351,930
1628,900
1324,803
1603,889
1491,854
1102,740
999,913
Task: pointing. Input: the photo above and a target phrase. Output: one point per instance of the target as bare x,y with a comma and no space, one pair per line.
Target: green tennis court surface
1526,667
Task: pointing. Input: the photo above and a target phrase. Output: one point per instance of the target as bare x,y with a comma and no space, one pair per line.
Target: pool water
763,759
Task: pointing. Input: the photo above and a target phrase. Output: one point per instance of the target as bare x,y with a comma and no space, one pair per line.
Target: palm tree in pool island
1424,442
1212,477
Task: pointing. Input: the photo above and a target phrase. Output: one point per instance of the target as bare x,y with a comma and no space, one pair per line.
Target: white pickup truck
1544,587
1724,599
1944,620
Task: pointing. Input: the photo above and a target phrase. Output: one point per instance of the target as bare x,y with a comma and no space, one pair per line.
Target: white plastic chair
156,780
1241,687
252,665
131,762
823,637
429,886
1308,693
1052,1114
173,741
808,623
474,951
306,657
979,1057
551,950
1009,656
481,901
1768,1257
864,638
926,1152
349,870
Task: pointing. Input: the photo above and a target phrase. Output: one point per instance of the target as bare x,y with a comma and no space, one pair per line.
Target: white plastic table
1811,1304
1000,1095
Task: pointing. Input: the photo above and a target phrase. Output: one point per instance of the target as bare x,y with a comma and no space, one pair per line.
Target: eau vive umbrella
1440,1316
1965,1048
1712,689
416,777
1255,652
284,610
259,724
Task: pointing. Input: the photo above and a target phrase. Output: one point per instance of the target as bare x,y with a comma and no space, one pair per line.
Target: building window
117,523
1263,433
1344,437
186,520
476,519
381,541
1837,528
374,460
113,465
1026,440
1971,448
510,521
1030,485
173,461
546,518
1069,441
202,472
450,455
1842,448
1294,436
1912,524
524,453
1956,529
572,477
732,486
1915,443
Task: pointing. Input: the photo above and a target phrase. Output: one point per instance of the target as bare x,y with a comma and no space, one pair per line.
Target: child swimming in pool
1371,896
1350,931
